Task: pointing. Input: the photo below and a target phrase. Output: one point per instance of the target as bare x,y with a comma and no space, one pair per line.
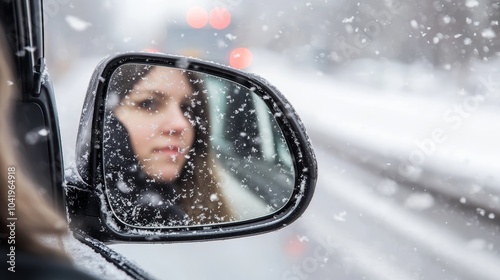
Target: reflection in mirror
183,148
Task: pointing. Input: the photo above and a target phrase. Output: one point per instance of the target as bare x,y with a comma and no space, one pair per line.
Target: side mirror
172,148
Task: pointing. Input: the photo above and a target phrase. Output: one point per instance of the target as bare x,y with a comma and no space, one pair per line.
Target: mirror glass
183,148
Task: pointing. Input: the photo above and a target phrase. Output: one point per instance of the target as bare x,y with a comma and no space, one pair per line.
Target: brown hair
34,215
205,199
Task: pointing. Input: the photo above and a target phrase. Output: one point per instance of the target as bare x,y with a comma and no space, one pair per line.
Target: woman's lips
170,150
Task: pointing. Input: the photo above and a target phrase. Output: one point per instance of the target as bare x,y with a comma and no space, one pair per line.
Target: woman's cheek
144,133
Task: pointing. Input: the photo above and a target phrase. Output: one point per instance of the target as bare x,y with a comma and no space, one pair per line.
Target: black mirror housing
90,205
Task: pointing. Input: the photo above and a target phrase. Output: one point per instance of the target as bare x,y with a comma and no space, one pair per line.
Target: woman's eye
148,105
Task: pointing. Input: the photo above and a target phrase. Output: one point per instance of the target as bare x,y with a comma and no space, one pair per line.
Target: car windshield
401,101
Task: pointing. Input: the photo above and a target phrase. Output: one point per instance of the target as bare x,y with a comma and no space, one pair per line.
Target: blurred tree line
444,33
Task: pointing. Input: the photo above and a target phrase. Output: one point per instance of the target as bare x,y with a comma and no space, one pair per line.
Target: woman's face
154,113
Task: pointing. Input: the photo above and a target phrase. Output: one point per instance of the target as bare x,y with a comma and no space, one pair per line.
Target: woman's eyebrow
147,93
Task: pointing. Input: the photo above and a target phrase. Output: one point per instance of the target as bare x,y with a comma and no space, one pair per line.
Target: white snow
471,3
419,201
86,259
77,23
488,33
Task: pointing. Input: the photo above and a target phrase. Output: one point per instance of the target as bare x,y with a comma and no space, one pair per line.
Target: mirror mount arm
111,256
84,213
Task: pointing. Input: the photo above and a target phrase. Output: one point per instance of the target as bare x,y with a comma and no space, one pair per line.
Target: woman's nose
173,121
